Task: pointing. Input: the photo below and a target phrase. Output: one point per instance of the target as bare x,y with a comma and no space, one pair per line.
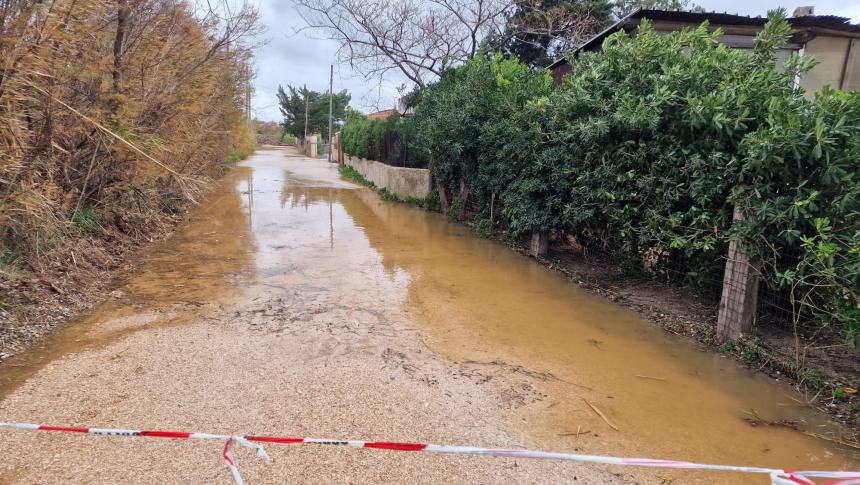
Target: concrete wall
852,67
403,182
311,146
830,52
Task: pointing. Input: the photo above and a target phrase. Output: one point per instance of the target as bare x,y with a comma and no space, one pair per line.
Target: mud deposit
295,303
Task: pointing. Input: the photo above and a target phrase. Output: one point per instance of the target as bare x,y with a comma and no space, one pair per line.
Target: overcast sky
298,59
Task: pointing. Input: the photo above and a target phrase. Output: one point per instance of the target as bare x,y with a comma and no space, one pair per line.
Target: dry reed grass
114,110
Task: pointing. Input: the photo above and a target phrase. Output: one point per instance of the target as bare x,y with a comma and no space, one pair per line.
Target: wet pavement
294,302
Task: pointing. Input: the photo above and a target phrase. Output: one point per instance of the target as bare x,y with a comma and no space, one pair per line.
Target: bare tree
540,31
417,38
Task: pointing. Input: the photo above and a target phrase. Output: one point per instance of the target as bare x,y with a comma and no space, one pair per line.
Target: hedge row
647,150
366,138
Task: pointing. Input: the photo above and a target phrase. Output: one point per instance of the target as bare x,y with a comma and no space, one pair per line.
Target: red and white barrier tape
778,477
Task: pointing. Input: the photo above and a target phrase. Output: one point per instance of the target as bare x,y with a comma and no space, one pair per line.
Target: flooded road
293,302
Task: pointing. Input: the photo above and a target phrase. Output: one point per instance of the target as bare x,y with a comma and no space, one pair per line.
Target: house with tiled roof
832,41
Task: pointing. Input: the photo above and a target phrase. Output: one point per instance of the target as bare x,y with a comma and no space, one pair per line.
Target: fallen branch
650,377
602,416
850,444
578,432
755,419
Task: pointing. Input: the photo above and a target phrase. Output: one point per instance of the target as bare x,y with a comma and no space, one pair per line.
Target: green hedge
463,121
364,138
648,146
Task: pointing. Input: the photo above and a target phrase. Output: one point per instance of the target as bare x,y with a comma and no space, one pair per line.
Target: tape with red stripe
778,477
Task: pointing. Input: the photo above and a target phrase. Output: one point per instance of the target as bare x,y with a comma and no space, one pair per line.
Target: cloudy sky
299,58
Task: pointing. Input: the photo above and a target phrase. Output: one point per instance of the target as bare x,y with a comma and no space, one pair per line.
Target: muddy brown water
283,223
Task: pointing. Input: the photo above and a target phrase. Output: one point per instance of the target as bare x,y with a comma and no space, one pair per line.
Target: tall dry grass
116,109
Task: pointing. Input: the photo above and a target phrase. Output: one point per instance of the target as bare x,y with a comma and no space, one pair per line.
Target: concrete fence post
739,297
539,244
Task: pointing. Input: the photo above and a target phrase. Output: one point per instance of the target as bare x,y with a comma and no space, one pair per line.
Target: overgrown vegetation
366,138
111,112
463,122
272,133
658,138
646,150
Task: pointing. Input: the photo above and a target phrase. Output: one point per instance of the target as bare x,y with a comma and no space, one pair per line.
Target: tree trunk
443,197
123,12
464,195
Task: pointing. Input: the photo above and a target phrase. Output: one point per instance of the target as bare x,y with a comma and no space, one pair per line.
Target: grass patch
813,379
85,219
728,347
7,255
750,353
386,194
416,201
234,157
429,203
352,174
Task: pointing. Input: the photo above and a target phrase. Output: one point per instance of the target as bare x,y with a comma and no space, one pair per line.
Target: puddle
483,302
281,226
203,262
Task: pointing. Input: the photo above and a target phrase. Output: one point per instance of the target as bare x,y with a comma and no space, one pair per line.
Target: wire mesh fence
706,278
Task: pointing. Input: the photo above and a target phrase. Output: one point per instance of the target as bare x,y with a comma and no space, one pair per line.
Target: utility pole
248,91
305,89
330,97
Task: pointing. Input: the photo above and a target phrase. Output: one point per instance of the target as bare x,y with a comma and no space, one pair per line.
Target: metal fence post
739,297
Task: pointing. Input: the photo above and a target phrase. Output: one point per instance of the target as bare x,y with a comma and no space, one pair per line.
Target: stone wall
401,181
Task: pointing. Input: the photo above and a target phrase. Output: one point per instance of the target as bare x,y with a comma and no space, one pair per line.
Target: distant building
832,41
381,115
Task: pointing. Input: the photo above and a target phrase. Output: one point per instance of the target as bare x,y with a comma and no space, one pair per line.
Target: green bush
355,134
365,138
483,228
457,124
647,148
800,177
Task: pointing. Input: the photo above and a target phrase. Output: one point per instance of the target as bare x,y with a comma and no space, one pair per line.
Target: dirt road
295,303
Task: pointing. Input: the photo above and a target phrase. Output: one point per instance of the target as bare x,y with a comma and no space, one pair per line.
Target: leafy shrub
456,123
483,228
365,138
431,202
647,149
354,135
802,183
658,138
